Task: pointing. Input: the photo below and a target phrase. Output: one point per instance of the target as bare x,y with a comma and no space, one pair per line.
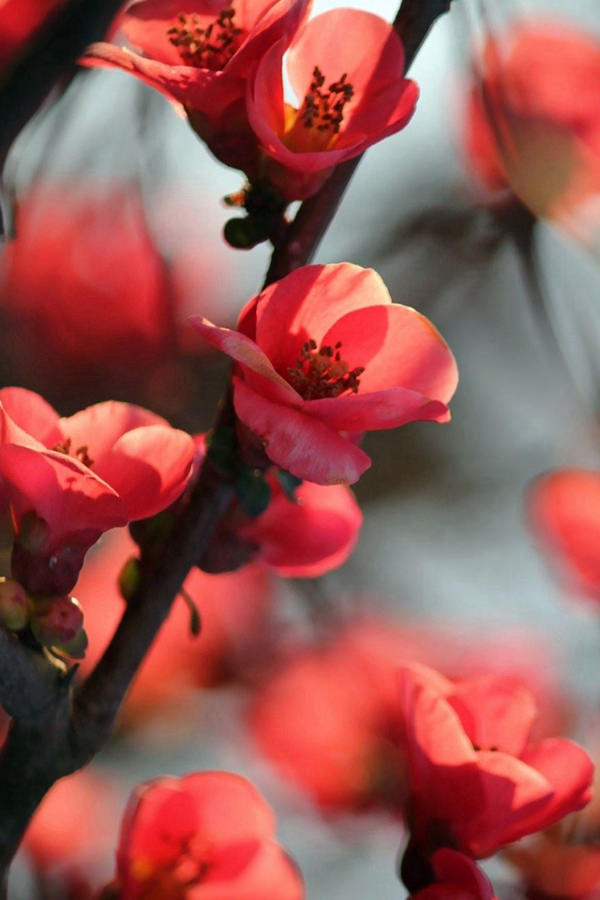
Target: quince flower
324,355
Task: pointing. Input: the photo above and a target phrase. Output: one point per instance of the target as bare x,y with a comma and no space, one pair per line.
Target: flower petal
568,769
307,448
31,414
306,538
382,409
149,467
397,346
251,357
99,427
307,303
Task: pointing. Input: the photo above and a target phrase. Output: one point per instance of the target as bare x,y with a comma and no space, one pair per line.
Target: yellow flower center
206,48
321,373
316,125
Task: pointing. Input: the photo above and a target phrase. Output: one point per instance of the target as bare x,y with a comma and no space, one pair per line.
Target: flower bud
56,620
14,605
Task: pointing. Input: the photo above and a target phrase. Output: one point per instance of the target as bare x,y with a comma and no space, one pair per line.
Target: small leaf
252,490
289,483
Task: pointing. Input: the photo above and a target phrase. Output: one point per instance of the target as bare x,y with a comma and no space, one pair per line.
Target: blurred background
117,210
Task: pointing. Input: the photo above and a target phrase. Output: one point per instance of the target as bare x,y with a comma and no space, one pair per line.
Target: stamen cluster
206,48
325,109
81,453
323,373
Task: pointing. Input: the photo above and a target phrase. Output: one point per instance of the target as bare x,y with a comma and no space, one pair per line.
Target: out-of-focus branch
48,57
412,23
67,730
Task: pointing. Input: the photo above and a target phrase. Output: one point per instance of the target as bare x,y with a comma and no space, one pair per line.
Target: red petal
100,426
304,446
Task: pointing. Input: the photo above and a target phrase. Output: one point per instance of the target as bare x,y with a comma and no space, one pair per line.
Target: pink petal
99,427
495,714
149,468
270,874
31,414
454,867
568,769
306,538
564,510
191,87
253,359
515,797
60,490
397,347
306,305
304,446
370,412
267,23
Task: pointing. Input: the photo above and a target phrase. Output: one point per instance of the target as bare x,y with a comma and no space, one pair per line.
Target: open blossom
476,781
532,122
68,479
350,93
199,53
324,355
564,512
457,878
205,836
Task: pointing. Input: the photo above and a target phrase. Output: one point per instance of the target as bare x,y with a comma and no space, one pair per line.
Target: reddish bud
57,621
14,604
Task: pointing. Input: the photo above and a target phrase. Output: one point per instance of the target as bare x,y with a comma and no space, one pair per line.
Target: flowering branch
55,730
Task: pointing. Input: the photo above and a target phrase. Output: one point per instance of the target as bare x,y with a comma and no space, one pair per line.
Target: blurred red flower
104,310
351,93
205,836
324,355
199,53
533,123
233,611
79,476
457,878
476,782
564,512
71,837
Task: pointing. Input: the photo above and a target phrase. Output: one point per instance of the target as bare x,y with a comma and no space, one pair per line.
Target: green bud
129,578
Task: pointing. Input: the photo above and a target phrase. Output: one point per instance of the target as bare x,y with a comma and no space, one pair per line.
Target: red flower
322,356
199,53
532,121
206,836
564,511
327,718
105,308
476,782
19,20
81,475
457,878
350,93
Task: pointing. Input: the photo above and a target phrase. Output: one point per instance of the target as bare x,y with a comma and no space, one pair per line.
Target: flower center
206,48
318,121
81,453
321,373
